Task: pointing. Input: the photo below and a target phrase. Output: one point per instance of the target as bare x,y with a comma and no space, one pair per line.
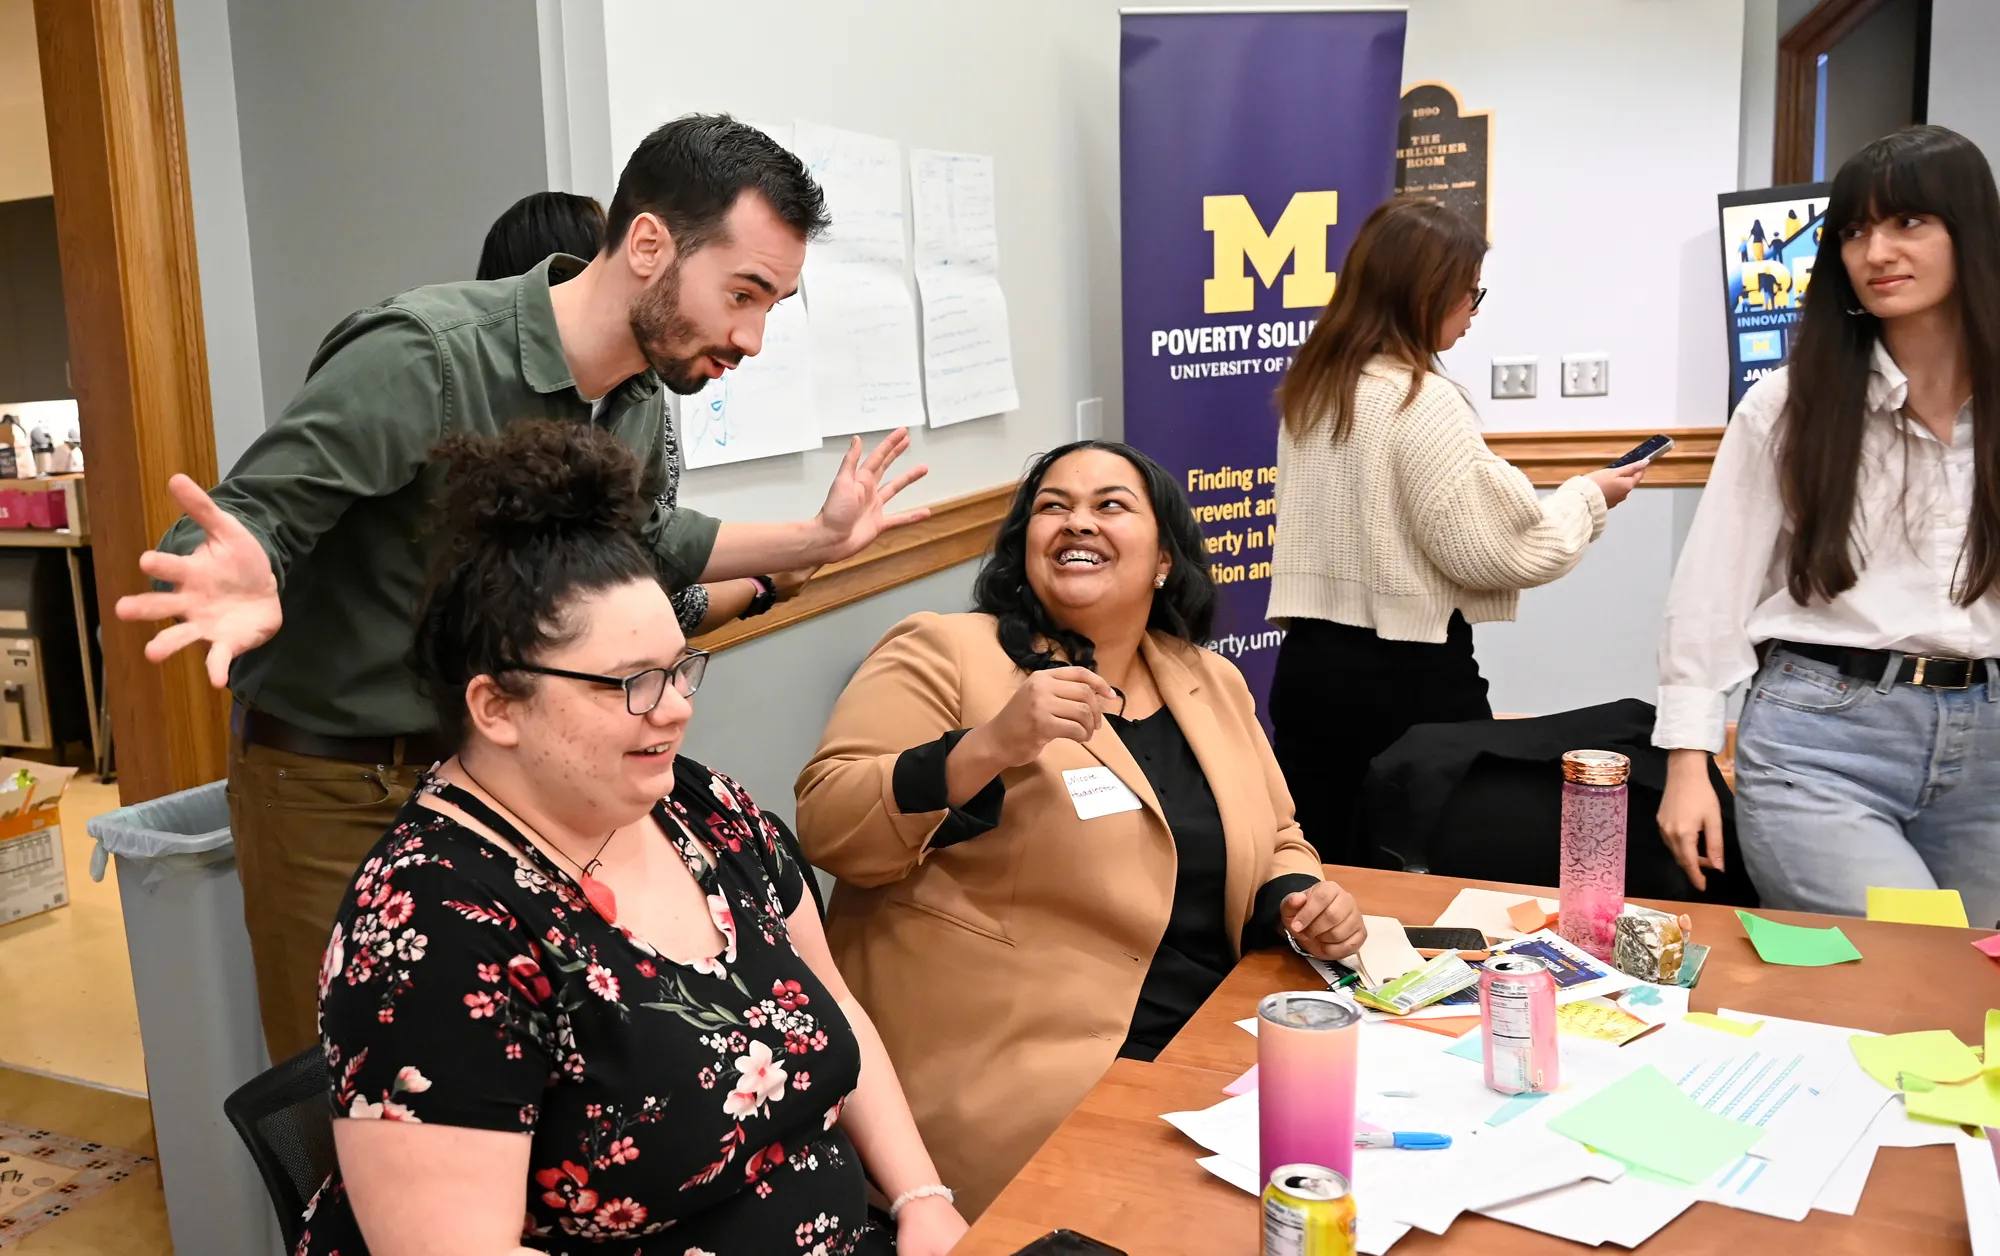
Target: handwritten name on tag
1098,792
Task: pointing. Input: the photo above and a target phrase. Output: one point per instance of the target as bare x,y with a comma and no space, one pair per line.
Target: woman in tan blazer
1056,822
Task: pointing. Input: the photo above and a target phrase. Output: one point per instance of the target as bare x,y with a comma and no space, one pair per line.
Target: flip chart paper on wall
968,355
865,369
761,409
1916,907
1795,945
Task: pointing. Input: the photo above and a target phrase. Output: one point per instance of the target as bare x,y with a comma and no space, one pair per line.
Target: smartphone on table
1645,451
1431,941
1067,1243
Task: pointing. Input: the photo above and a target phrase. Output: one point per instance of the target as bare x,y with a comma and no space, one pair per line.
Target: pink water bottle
1593,848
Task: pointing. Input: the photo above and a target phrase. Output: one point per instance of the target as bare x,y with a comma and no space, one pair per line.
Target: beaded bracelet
934,1190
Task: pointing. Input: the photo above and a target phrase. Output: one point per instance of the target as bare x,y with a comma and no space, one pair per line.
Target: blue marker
1407,1140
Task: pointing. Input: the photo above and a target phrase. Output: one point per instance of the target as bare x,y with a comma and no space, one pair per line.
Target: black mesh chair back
285,1117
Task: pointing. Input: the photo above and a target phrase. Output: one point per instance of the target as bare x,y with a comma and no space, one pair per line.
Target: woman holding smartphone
1847,553
1401,529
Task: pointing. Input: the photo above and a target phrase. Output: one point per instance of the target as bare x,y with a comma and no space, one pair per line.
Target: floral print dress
674,1109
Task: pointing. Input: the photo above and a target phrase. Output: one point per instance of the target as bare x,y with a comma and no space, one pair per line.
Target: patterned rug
44,1175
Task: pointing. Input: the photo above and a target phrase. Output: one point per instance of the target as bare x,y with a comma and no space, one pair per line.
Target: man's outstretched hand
856,509
224,592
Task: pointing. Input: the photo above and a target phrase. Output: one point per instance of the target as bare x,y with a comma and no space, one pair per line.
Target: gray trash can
197,996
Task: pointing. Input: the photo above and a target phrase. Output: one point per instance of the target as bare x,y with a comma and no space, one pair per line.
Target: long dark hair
1410,263
537,225
1183,608
530,518
1919,170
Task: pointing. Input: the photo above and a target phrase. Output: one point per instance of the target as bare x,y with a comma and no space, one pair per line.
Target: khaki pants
302,826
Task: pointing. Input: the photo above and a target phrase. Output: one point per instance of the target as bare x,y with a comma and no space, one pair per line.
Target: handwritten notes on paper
865,372
968,356
762,408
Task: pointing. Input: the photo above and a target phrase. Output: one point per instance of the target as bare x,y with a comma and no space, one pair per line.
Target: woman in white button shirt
1850,535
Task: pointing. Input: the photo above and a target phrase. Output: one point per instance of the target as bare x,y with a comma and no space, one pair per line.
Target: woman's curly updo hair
1184,608
530,520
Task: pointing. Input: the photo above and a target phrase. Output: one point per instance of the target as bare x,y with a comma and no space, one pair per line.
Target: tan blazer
1003,971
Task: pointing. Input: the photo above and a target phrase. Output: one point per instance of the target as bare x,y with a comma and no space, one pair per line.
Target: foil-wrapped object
1649,945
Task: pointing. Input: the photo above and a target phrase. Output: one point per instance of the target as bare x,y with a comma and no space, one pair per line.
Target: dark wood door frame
125,231
1799,52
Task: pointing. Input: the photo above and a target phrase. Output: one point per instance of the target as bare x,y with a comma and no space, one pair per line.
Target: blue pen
1407,1140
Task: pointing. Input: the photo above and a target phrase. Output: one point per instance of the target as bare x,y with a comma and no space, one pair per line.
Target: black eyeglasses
643,690
1478,295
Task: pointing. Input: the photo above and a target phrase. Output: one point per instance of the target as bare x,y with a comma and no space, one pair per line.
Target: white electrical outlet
1586,374
1513,377
1090,419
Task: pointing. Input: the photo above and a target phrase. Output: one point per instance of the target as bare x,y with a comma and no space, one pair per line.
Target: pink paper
1989,945
1244,1084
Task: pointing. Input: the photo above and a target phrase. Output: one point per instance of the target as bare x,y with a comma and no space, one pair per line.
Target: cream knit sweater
1411,517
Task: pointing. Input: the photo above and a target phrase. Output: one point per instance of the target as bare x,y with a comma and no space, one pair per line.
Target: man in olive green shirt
302,569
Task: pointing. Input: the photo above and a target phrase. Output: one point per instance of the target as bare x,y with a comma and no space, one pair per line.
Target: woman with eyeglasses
1845,562
581,972
1399,528
1056,822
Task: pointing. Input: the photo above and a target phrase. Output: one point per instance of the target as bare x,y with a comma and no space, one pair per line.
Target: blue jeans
1842,784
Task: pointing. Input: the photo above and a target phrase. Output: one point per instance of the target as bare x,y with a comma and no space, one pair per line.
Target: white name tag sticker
1098,792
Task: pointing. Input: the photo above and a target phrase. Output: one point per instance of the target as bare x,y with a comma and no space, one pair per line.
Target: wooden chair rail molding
960,529
1549,458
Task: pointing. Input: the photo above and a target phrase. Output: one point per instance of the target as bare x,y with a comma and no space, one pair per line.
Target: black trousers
1343,695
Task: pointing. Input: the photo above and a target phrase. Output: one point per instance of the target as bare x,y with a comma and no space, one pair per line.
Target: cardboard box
33,878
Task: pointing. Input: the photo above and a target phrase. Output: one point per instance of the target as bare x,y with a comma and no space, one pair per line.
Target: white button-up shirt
1729,594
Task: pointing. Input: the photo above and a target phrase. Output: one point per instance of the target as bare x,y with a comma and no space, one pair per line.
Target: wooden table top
1113,1170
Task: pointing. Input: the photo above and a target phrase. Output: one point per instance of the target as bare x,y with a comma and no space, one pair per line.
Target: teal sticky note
1795,945
1646,1121
1515,1106
1468,1048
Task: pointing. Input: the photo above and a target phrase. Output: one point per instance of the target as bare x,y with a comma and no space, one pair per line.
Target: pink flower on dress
602,982
789,994
760,1080
622,1151
525,975
387,1110
725,922
802,1081
567,1187
410,1080
397,909
482,1004
333,960
621,1215
646,968
489,973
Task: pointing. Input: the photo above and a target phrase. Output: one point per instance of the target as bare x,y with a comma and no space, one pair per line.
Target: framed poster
1770,240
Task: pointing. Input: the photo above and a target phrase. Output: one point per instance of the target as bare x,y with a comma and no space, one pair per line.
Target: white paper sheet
968,353
1980,1181
1892,1127
1486,911
1626,1212
865,370
761,409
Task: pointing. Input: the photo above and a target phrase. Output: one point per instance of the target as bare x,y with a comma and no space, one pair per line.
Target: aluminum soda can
1308,1211
1517,1025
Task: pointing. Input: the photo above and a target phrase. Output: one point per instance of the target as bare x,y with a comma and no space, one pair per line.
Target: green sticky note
1916,907
1976,1102
1795,945
1646,1121
1935,1055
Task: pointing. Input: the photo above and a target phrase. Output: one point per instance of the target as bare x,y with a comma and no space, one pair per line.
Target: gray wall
1965,91
379,140
761,710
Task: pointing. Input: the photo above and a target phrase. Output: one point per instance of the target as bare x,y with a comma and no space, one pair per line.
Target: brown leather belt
260,729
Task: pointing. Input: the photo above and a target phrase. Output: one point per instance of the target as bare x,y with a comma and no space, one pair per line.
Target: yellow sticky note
1975,1102
1709,1020
1933,1054
1989,1056
1916,907
1590,1019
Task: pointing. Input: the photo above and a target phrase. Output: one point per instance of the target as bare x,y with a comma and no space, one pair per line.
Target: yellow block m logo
1300,235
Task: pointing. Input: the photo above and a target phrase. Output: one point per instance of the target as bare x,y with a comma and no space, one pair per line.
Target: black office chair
285,1117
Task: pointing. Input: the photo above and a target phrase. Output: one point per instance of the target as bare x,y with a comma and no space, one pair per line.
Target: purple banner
1252,145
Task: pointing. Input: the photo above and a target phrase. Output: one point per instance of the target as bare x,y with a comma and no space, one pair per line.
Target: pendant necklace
598,894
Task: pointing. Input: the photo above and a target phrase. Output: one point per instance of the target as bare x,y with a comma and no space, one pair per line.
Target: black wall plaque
1443,151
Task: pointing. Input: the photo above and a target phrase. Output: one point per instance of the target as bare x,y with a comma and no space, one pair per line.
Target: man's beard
660,328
